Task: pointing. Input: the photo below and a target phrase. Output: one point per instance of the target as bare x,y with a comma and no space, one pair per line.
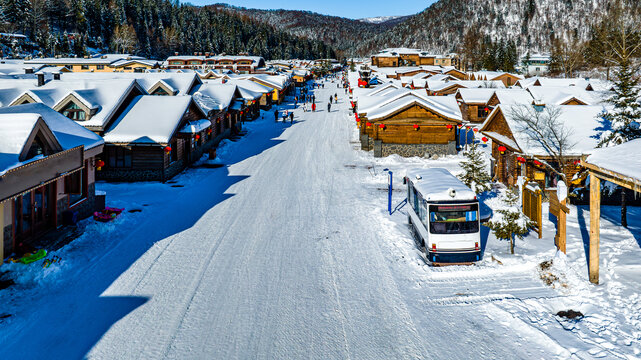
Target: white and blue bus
444,216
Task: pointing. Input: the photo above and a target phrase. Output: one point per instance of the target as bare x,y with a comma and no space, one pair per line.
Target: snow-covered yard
288,252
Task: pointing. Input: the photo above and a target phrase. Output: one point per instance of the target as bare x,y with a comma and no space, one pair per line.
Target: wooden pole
595,215
561,227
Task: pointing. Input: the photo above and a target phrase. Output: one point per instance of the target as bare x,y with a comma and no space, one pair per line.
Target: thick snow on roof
551,95
180,82
437,85
443,105
196,126
476,96
581,83
436,184
372,102
491,75
12,67
514,96
148,120
98,59
623,159
580,121
215,96
16,123
14,132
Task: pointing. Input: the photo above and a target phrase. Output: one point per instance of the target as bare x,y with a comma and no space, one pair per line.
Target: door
42,208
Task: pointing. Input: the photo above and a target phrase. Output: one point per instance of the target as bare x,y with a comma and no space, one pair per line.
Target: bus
444,217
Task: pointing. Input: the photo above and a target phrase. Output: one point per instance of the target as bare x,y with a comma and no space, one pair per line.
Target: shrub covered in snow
475,176
509,221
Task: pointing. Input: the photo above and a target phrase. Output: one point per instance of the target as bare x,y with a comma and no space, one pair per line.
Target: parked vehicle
444,216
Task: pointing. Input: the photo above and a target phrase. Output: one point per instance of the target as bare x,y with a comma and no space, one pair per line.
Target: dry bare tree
567,56
545,129
124,38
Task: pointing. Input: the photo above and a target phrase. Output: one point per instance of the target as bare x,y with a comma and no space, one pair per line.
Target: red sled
107,215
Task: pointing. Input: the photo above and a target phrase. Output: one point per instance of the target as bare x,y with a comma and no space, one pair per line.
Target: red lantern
197,137
449,127
382,126
168,149
521,159
369,124
487,109
476,130
416,127
484,139
99,164
502,149
460,126
537,163
208,131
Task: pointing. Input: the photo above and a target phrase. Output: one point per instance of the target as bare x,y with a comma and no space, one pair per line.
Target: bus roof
436,184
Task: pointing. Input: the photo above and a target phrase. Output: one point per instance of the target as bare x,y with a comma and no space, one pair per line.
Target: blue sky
354,9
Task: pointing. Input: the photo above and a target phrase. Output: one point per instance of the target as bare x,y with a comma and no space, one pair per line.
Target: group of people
306,98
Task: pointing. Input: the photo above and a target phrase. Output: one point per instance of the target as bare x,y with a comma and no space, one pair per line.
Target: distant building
99,63
535,65
238,64
399,57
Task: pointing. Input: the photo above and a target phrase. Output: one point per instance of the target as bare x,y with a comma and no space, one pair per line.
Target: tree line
151,28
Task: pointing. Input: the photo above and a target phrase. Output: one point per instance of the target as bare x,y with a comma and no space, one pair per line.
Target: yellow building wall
3,223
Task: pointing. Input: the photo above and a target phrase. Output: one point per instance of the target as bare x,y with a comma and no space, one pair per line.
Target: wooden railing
532,199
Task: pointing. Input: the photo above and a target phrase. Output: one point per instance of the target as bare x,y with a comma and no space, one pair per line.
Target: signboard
539,175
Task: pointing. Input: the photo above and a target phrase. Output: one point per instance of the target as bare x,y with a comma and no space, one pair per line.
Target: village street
286,252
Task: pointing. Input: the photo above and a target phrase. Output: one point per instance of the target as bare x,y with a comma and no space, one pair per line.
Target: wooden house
506,78
516,153
100,63
155,138
411,125
47,172
474,104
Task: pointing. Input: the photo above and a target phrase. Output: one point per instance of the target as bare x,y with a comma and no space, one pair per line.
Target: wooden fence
532,199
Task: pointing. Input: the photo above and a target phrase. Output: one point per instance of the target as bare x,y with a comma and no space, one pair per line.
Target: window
100,67
482,113
76,187
174,151
119,157
454,219
37,148
127,68
74,112
160,92
84,67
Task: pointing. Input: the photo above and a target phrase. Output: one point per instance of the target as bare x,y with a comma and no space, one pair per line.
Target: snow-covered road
282,254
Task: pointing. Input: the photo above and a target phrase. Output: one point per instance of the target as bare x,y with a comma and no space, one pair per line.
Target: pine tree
625,117
509,221
476,176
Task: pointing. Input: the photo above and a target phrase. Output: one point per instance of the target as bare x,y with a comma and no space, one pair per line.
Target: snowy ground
288,252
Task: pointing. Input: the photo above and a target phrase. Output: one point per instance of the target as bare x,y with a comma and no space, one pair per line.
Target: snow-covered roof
104,59
551,95
436,184
580,121
17,122
492,75
212,96
435,85
618,159
476,95
181,83
514,96
445,106
195,126
149,120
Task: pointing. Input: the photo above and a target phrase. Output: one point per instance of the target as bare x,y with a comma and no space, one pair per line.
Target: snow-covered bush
509,221
475,176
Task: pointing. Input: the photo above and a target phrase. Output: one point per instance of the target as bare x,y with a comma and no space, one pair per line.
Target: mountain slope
530,23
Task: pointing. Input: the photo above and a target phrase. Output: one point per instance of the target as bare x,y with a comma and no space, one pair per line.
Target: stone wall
420,150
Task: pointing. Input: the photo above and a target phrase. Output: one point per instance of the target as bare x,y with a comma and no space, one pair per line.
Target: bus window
454,219
415,202
423,214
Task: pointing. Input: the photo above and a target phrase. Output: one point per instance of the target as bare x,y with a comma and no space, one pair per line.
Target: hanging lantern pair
502,149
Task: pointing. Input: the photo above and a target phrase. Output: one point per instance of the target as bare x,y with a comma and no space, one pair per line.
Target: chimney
56,76
41,79
28,70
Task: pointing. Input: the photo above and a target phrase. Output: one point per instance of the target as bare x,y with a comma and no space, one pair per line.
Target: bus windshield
454,219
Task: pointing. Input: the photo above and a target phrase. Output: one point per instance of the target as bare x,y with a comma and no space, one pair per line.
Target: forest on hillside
151,28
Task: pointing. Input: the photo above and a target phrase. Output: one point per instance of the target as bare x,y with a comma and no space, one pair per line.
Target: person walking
313,98
330,99
313,107
329,107
275,115
336,98
291,117
304,107
285,114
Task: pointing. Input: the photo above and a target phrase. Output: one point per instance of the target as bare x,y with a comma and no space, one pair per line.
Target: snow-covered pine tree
475,176
624,118
509,221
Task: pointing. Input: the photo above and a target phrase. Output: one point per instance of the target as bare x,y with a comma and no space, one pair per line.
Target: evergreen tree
509,221
476,176
624,119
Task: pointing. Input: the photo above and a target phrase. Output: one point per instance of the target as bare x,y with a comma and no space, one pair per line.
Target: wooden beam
595,216
613,177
